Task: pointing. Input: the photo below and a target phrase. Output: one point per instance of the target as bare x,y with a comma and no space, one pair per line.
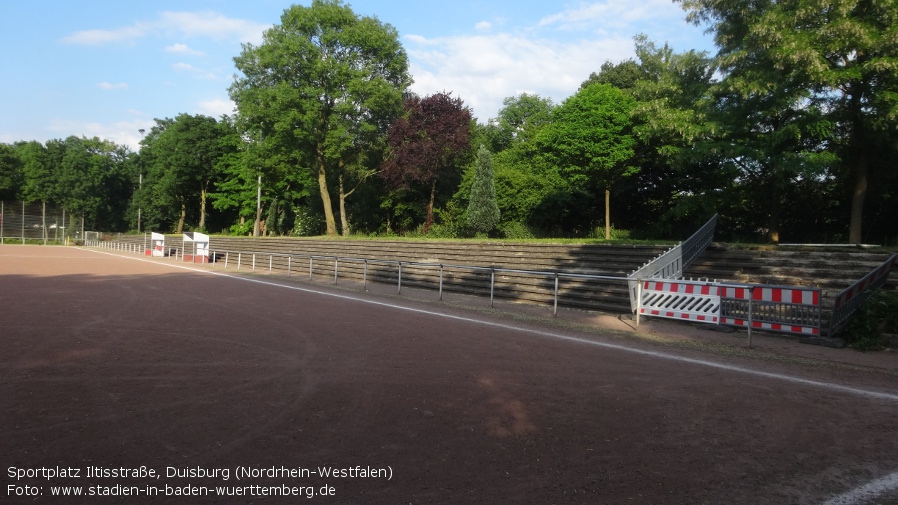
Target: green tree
324,83
11,176
518,120
184,160
93,181
590,139
840,54
39,178
483,210
680,178
623,75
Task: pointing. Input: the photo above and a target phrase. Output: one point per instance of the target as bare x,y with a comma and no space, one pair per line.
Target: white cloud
483,26
213,25
187,67
216,107
106,85
183,49
602,16
484,70
187,24
121,132
99,37
551,58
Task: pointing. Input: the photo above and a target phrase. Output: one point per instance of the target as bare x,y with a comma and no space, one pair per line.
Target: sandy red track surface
124,362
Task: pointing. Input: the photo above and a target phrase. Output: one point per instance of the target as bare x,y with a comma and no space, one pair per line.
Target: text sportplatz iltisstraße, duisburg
139,481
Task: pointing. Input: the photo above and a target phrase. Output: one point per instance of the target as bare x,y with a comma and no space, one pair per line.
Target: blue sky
108,68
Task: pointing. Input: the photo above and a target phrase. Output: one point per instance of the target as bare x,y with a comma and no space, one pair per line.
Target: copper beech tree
427,143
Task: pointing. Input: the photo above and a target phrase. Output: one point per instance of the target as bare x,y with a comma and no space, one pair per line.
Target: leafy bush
878,315
516,231
242,229
616,234
307,224
442,231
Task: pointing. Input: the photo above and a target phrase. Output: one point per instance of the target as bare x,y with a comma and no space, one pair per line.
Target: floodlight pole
140,185
257,228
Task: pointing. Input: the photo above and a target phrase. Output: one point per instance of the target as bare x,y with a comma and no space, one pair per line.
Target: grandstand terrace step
617,261
831,270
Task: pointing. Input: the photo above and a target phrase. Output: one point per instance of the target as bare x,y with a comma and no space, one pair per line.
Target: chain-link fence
23,223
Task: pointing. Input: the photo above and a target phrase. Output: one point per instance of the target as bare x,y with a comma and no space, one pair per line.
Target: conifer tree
483,210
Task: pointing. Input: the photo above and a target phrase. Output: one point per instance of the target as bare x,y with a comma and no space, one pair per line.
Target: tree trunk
344,221
325,196
857,199
429,222
607,214
776,208
860,144
182,217
202,225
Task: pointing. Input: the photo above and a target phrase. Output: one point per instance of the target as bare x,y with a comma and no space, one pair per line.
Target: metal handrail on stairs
670,265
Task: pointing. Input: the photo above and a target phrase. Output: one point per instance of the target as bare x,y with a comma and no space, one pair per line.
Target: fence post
441,282
239,257
399,288
227,253
751,296
638,300
270,263
310,267
289,265
254,262
336,268
555,295
492,283
365,276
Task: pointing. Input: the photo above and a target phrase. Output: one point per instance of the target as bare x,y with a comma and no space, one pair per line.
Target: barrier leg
638,301
492,284
555,306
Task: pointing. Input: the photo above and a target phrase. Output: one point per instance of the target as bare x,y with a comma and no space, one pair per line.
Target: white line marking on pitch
867,492
559,336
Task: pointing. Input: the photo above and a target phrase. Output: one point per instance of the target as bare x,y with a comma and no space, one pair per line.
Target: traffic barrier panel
690,301
773,308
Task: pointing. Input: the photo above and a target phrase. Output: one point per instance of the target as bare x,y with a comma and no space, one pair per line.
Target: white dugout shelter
196,247
157,245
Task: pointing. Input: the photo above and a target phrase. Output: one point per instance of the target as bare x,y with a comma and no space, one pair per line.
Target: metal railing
851,298
698,242
670,264
396,271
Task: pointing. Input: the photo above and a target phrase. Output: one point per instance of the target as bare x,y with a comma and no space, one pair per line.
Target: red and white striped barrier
680,300
771,308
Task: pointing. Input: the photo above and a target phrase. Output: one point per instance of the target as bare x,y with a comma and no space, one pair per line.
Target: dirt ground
159,382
